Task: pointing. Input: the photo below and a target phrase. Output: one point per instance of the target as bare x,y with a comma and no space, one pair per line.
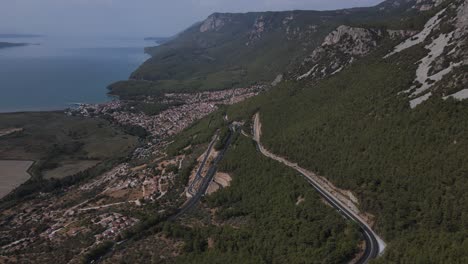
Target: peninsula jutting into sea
251,136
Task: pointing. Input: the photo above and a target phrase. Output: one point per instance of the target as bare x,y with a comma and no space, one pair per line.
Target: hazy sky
135,17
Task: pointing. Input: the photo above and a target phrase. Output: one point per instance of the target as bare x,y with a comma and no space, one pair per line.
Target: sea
54,73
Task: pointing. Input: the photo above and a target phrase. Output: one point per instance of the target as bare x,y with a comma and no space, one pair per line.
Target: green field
12,174
62,145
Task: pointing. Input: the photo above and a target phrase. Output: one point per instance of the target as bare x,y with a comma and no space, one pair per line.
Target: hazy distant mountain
9,45
20,36
159,40
236,50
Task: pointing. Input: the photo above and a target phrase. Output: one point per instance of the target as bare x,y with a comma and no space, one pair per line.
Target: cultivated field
12,174
61,145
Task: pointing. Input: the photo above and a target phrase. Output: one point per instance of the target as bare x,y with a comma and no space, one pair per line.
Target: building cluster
187,109
78,210
17,245
168,122
224,97
117,172
114,224
25,225
135,183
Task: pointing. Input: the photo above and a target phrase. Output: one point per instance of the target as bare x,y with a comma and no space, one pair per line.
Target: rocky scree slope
443,69
342,47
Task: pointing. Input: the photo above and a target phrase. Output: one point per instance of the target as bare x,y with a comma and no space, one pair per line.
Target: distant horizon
16,35
38,36
140,18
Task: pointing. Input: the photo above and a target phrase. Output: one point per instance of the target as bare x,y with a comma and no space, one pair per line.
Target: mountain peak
420,5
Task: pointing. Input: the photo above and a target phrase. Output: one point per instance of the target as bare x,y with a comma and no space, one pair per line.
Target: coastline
45,109
62,70
35,110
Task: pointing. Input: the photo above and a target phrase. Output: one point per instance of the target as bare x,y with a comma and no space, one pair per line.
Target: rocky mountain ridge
342,47
229,50
443,69
419,5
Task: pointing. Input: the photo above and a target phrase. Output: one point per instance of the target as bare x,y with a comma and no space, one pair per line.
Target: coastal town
100,208
189,107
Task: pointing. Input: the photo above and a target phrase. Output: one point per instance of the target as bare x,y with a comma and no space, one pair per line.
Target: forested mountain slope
268,215
374,99
360,129
236,50
443,38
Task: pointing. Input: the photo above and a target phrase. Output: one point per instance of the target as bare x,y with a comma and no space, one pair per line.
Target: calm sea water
64,70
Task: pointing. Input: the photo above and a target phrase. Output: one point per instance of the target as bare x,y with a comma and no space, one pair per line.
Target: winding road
374,244
208,177
198,176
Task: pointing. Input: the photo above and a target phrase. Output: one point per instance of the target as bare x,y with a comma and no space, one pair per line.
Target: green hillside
269,214
408,165
237,50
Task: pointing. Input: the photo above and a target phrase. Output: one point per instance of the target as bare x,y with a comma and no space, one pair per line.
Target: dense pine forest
372,99
408,166
269,214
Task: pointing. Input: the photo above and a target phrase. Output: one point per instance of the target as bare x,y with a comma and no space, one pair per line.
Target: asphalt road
205,180
202,165
373,247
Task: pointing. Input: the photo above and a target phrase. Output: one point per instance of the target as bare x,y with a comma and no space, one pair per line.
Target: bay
61,71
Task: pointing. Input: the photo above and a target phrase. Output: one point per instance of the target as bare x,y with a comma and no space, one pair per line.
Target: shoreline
44,109
31,111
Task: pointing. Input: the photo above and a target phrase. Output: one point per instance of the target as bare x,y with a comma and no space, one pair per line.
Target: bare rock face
424,5
213,23
443,70
342,47
286,22
452,65
401,33
257,29
351,40
420,5
462,20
